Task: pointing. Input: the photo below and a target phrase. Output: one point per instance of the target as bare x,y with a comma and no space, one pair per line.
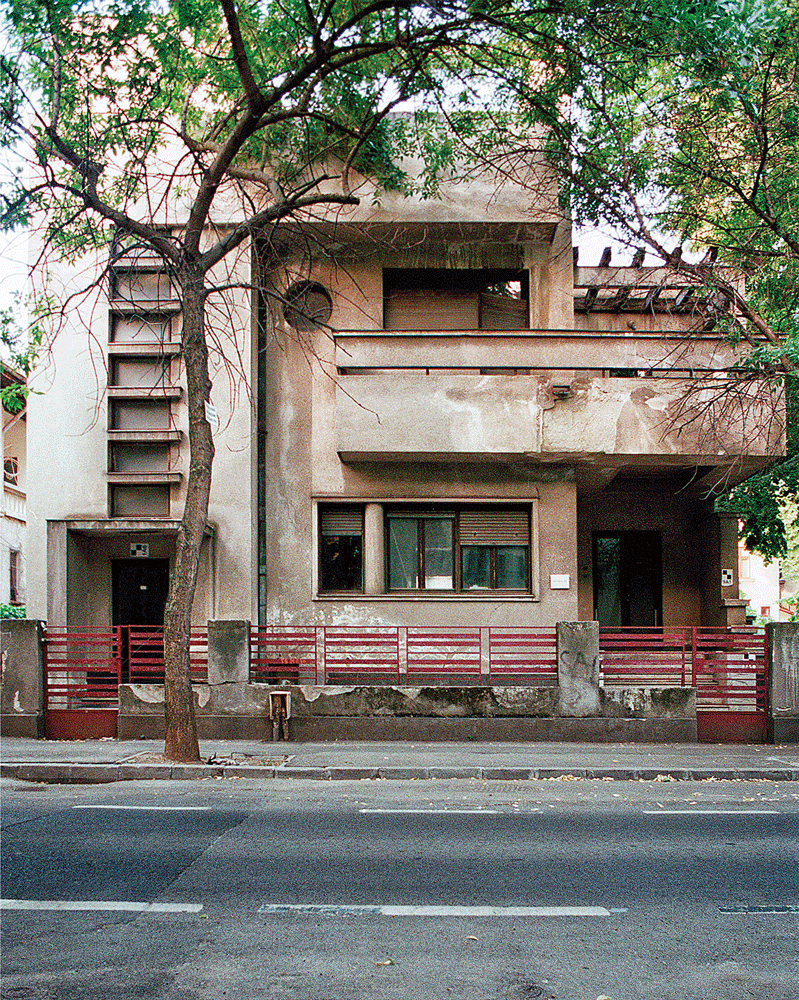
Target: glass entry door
628,574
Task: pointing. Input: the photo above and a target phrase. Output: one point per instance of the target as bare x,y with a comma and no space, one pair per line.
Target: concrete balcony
414,416
14,503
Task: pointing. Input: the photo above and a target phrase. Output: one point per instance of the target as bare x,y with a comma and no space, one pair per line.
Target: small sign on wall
727,576
211,414
559,581
139,550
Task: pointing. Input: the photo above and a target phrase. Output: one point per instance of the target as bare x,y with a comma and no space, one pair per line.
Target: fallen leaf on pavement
388,961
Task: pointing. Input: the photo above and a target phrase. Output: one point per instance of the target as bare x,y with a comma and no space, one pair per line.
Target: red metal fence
82,671
635,656
729,674
399,654
84,666
285,654
727,666
143,654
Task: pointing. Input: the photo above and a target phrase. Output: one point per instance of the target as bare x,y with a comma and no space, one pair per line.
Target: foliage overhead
683,137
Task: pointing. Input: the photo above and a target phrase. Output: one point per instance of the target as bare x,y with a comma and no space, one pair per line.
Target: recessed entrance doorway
138,594
628,575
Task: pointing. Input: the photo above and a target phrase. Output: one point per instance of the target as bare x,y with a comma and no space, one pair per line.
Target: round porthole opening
307,306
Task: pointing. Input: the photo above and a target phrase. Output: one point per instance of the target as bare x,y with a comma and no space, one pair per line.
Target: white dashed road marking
712,812
438,911
98,905
151,808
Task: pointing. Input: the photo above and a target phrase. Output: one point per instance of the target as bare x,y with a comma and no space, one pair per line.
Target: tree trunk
181,727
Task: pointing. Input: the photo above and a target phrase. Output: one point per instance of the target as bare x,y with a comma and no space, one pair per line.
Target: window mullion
420,548
457,576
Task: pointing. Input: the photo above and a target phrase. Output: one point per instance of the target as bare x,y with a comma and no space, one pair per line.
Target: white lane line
151,808
712,812
98,905
432,812
766,908
437,911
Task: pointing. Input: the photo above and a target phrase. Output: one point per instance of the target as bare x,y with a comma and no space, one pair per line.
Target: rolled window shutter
494,527
341,521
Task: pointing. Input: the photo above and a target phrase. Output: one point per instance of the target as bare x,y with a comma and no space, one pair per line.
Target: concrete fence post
228,652
578,669
22,706
783,682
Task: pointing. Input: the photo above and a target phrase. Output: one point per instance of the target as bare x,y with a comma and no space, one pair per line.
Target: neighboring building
760,585
769,593
13,513
448,422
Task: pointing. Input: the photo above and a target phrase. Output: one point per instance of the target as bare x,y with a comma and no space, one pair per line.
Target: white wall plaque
727,577
210,414
559,581
139,550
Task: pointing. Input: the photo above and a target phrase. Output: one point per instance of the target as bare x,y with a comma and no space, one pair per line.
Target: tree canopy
682,137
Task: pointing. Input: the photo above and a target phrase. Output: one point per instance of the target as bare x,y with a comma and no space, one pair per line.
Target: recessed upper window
307,305
455,299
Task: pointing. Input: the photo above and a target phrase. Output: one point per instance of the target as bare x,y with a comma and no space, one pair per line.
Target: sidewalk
91,761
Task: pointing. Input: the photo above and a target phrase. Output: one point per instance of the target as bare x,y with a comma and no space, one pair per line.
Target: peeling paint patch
150,694
511,697
312,692
203,695
17,706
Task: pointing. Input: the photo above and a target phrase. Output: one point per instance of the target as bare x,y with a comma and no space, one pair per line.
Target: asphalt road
394,890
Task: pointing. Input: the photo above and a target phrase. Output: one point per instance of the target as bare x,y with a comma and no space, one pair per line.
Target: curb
92,774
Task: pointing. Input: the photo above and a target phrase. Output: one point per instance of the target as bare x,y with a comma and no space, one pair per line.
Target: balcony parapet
14,503
666,350
415,417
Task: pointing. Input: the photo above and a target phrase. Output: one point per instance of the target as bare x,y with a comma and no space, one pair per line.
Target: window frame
11,470
420,514
328,508
14,575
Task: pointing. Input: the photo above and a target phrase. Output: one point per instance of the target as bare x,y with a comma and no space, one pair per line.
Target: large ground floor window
396,548
460,550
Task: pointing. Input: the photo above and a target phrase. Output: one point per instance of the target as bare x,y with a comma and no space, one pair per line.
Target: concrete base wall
28,724
241,711
209,727
783,730
595,730
327,729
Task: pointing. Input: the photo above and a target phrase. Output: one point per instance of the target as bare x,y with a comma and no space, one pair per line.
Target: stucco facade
438,418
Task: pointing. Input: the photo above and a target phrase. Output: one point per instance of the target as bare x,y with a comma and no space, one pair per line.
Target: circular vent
307,306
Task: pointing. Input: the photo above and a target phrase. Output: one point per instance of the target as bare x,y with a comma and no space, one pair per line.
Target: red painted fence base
731,727
77,724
